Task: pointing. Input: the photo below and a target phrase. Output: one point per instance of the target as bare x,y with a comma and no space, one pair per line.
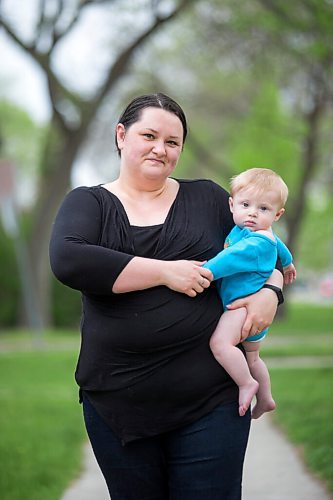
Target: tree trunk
309,163
56,182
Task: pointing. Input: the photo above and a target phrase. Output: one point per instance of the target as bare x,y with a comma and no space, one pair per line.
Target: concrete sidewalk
273,471
91,484
273,468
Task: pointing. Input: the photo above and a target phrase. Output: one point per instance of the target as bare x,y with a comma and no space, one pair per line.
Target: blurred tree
54,23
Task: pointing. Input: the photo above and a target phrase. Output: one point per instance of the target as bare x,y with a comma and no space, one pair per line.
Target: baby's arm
240,257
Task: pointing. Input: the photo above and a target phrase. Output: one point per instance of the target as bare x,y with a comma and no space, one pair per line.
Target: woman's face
150,148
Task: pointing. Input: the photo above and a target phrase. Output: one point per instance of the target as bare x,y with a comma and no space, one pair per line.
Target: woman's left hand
261,309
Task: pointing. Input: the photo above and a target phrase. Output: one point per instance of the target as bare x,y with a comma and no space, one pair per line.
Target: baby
251,249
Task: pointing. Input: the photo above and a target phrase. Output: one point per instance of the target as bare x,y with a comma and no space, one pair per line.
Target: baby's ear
279,214
231,204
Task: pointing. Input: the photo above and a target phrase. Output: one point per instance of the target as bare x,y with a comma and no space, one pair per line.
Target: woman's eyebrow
156,132
151,130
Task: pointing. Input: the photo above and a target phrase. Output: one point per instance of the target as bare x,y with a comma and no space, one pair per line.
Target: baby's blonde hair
261,180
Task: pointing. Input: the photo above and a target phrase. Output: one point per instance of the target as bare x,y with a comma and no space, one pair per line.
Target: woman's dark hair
133,111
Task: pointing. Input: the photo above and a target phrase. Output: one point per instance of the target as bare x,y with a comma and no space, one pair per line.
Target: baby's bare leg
223,345
258,369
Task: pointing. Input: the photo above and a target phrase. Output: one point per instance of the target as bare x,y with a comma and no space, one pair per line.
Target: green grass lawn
297,348
304,413
41,425
305,331
304,320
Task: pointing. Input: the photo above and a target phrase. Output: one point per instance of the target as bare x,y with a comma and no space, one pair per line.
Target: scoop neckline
101,186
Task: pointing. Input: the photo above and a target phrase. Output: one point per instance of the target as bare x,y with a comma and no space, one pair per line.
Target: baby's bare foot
246,393
262,407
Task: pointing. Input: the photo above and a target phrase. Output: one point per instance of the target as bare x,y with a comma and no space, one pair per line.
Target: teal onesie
247,261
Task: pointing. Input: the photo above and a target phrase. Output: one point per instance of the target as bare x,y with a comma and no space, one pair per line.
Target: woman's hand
185,276
261,309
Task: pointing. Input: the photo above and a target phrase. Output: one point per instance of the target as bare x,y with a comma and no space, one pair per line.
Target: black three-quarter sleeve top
145,362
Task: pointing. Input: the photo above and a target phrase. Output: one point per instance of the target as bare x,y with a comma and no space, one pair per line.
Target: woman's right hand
185,276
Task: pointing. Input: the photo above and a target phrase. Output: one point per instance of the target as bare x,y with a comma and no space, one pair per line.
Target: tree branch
121,64
27,48
282,13
40,23
56,89
212,165
53,21
60,34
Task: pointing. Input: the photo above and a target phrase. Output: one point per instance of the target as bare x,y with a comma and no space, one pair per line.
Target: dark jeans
200,461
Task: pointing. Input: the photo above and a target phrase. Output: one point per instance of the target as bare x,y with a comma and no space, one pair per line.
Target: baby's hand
289,273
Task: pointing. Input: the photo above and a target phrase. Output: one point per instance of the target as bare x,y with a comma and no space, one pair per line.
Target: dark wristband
278,292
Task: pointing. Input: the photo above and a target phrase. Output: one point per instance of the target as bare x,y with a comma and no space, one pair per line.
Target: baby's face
256,212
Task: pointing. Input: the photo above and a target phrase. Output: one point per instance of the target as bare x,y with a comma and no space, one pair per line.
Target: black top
145,361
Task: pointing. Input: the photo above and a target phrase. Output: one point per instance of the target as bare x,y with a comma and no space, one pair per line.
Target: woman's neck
148,191
145,206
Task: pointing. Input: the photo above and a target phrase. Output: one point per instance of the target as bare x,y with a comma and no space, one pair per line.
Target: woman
160,412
